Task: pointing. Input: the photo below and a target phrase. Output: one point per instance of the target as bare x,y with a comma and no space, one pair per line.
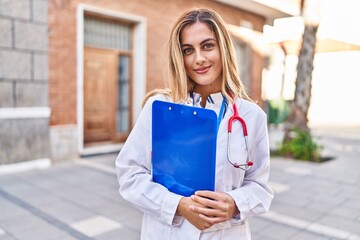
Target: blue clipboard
183,147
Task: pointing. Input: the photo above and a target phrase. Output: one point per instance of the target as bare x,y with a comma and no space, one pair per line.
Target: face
201,57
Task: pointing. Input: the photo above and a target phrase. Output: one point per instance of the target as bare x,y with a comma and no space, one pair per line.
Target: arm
133,166
254,196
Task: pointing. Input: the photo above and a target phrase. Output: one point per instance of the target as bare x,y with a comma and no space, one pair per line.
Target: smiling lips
202,70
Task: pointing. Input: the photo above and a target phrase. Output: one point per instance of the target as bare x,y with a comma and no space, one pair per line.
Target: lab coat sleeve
254,196
133,167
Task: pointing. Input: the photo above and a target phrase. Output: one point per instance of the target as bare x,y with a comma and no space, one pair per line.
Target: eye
187,51
208,46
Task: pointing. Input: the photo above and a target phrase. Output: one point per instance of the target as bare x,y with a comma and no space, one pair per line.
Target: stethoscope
235,117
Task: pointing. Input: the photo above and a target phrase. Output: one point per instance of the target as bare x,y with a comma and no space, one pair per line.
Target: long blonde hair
178,81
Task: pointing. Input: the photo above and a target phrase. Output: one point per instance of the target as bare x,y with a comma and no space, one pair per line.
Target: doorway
107,81
124,33
99,95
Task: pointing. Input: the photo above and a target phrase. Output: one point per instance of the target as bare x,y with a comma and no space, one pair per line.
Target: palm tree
297,118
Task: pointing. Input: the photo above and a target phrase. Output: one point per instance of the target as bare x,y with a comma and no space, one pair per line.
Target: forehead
196,33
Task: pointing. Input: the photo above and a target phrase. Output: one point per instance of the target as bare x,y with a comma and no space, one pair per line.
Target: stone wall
24,139
24,111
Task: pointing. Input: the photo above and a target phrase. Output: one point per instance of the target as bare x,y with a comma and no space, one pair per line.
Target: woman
202,72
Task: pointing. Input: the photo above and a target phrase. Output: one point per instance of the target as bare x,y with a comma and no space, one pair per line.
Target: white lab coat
249,189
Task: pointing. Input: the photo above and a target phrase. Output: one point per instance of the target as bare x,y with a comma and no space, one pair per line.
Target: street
79,199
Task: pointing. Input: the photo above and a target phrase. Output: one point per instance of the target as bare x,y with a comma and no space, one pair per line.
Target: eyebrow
204,41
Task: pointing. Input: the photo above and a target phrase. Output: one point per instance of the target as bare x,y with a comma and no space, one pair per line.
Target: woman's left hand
219,206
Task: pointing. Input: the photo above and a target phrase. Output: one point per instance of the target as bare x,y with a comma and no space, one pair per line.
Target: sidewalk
79,200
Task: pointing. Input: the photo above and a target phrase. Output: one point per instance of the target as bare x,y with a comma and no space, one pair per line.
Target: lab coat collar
213,101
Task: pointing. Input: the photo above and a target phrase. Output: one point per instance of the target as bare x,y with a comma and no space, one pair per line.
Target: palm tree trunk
298,117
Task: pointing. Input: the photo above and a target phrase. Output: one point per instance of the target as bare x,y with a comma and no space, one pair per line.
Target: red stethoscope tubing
233,118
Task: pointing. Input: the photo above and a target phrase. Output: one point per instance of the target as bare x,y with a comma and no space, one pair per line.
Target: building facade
24,81
73,73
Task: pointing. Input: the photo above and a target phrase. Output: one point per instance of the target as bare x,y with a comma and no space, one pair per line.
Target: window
123,108
243,58
107,34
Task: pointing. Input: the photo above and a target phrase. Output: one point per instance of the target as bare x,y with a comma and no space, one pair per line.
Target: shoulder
145,116
247,106
157,91
156,97
250,109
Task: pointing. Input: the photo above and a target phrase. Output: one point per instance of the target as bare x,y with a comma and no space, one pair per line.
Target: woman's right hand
184,210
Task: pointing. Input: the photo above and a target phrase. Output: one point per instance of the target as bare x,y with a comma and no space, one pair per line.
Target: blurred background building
73,73
24,82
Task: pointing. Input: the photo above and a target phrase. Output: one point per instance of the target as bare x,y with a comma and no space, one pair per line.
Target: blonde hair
177,79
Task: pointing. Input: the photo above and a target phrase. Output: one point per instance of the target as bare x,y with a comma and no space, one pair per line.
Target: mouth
202,70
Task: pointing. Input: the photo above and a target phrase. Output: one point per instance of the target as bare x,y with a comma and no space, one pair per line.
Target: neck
205,91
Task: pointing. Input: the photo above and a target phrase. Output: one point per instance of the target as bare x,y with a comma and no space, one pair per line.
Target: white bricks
15,65
6,94
15,9
31,36
5,34
31,95
41,67
40,11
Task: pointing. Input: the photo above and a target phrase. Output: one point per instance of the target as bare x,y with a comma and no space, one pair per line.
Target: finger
210,203
208,194
212,220
209,212
217,196
221,201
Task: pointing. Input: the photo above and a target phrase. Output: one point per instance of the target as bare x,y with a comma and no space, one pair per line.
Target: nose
200,57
